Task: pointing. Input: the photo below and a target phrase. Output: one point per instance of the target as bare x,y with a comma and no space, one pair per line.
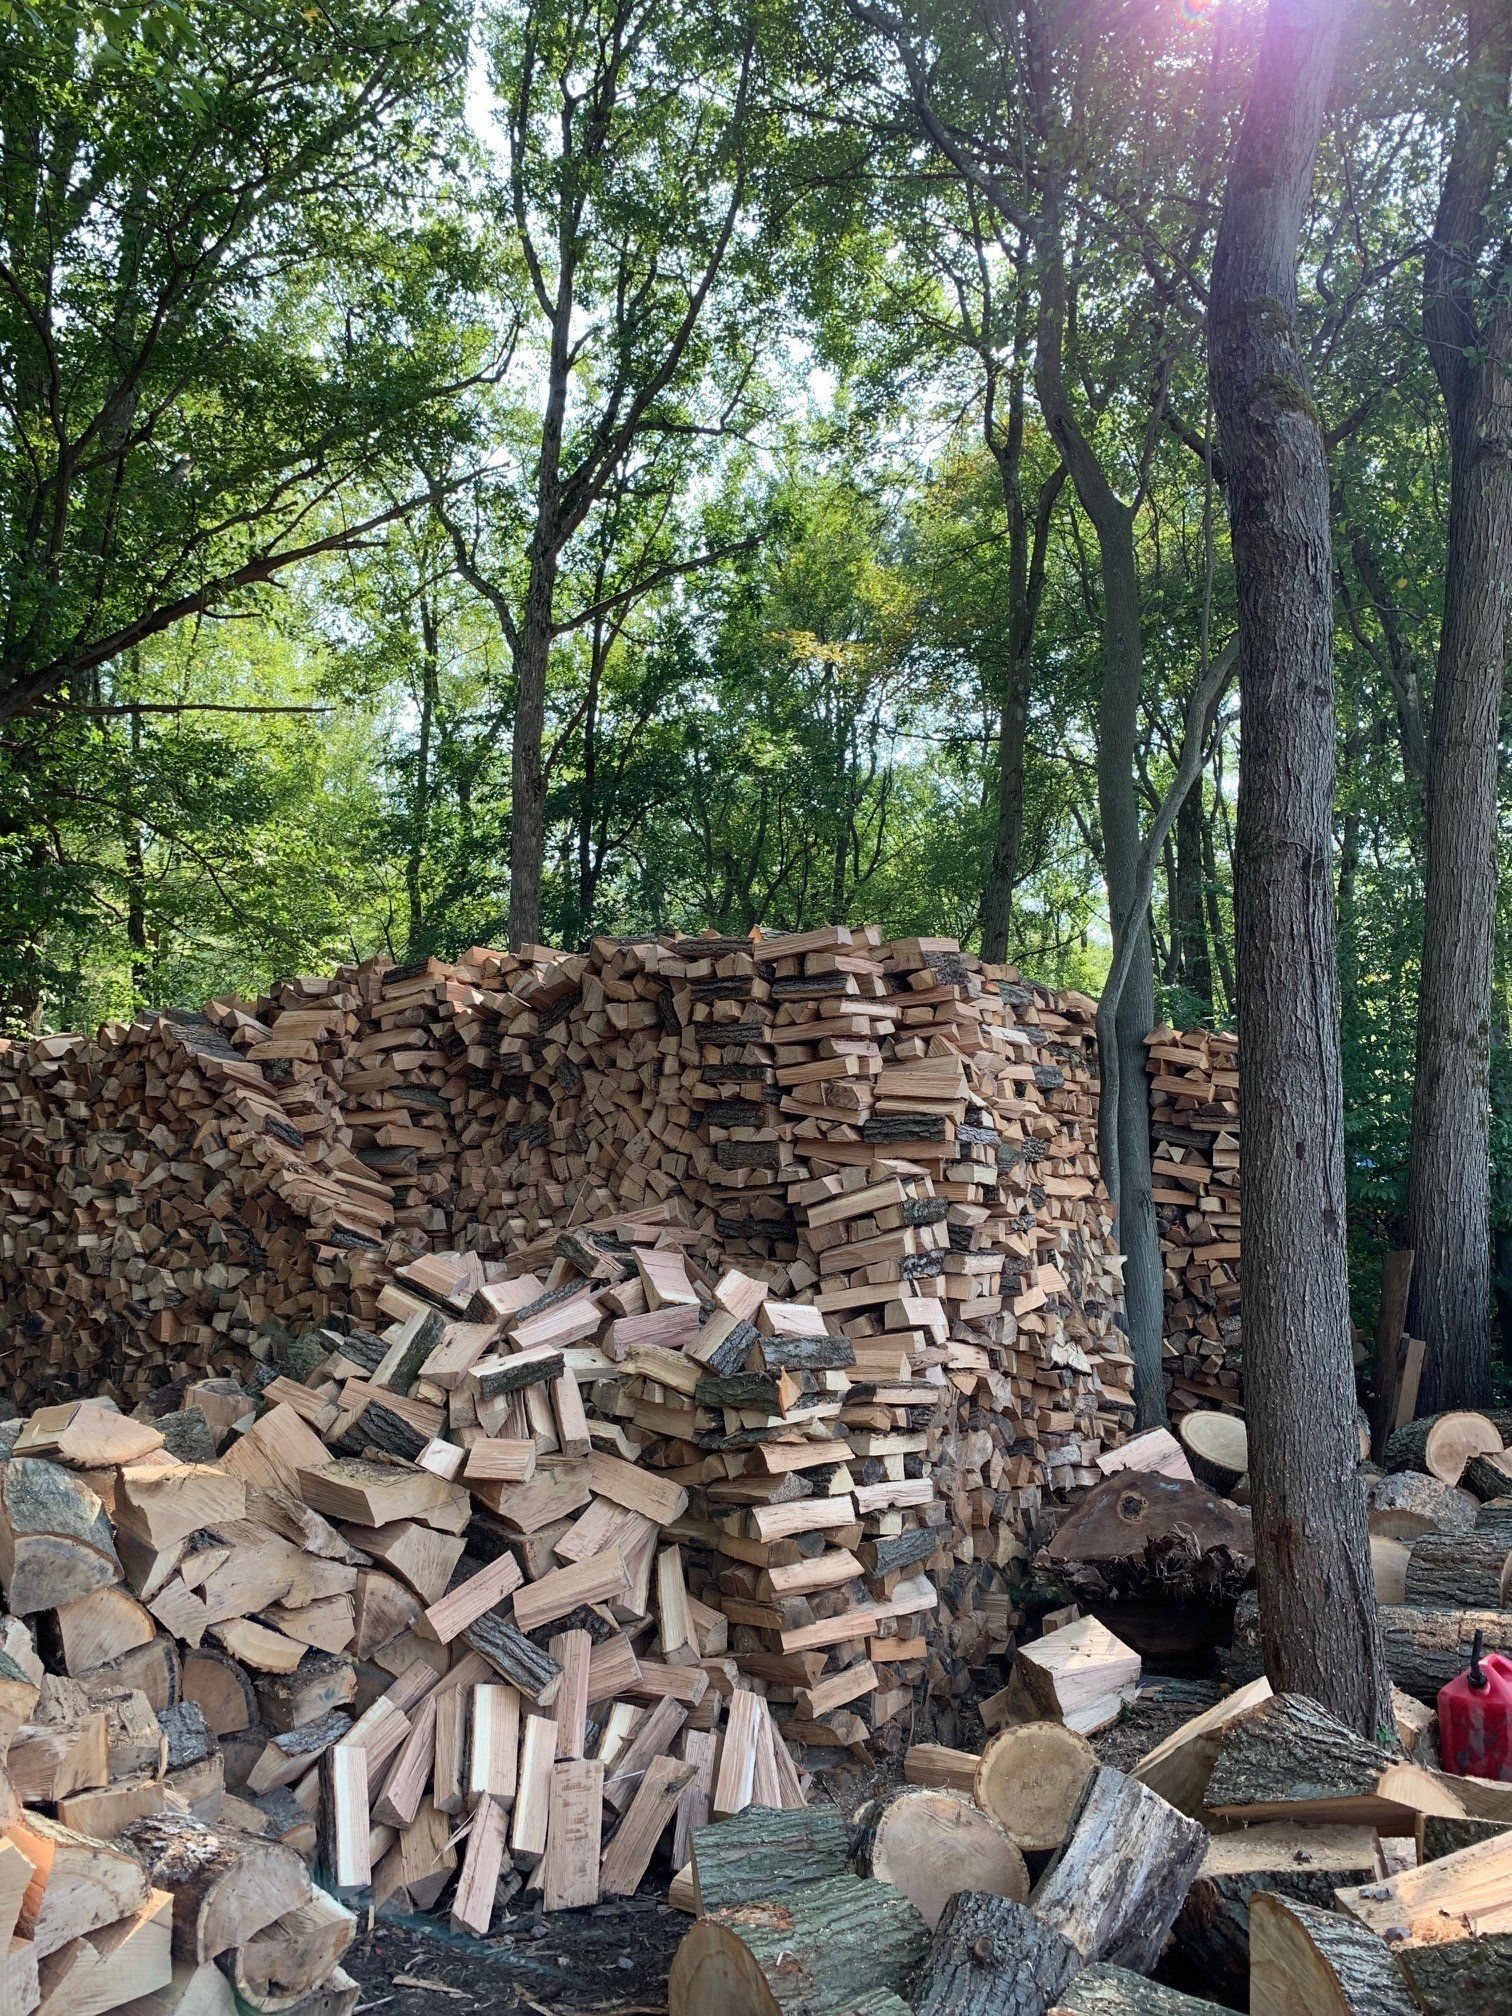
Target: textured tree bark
1191,966
1461,1975
1458,1571
1470,346
993,1958
1317,1596
1320,1962
1113,1991
1115,1888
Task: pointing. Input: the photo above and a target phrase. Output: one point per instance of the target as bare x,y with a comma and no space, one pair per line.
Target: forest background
554,467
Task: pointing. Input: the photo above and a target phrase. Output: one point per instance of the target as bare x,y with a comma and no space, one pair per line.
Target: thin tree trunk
419,820
1008,832
1217,936
1449,1181
1319,1626
1189,940
136,865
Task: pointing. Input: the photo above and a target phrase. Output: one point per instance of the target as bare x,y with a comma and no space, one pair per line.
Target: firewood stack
1194,1122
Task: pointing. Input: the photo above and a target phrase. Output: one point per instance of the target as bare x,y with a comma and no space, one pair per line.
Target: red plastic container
1475,1718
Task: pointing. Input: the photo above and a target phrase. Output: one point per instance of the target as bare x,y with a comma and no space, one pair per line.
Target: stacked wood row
894,1135
1194,1127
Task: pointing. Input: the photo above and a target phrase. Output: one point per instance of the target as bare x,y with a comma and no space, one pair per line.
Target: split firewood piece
477,1886
1080,1675
409,1775
1217,1448
160,1506
379,1494
55,1540
287,1959
494,1749
1179,1766
421,1557
15,1875
1305,1863
1462,1571
451,1614
1289,1759
1156,1449
1031,1779
286,1757
653,1739
87,1435
646,1819
1116,1886
1114,1991
1442,1444
1307,1962
226,1886
759,1854
19,1690
573,1651
191,1991
527,1835
496,1461
77,1884
655,1498
700,1748
569,1870
930,1844
1448,1925
734,1785
337,1996
563,1590
938,1764
20,1978
826,1946
217,1686
49,1760
258,1646
111,1967
345,1815
992,1957
510,1653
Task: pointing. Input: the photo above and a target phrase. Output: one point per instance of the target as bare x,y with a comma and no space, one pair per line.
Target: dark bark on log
1426,1649
993,1958
1115,1888
765,1852
1462,1571
1412,1447
1439,1836
511,1653
55,1540
1213,1930
226,1886
1462,1977
1408,1503
1317,1596
1290,1753
1113,1991
1488,1476
1351,1970
822,1948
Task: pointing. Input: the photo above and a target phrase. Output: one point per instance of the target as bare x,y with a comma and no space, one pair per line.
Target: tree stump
1115,1888
843,1937
992,1957
1306,1962
1031,1779
932,1844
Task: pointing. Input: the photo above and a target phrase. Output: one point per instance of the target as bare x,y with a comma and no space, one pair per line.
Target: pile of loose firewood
1262,1853
1194,1125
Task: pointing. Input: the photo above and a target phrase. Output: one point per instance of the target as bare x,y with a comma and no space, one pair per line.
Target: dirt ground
614,1959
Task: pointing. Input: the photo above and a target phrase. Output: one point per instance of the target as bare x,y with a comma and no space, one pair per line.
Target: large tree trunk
1449,1182
1319,1625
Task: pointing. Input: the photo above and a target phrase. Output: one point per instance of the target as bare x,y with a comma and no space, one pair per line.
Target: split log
1448,1925
1460,1571
932,1844
1217,1448
77,1885
1307,1962
1442,1444
1488,1477
226,1886
1403,1504
1115,1888
1304,1863
1114,1991
938,1764
1438,1836
992,1957
1081,1676
1031,1779
1289,1759
1388,1568
1179,1766
55,1540
843,1937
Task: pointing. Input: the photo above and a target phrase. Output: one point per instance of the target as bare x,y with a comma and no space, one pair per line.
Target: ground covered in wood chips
614,1959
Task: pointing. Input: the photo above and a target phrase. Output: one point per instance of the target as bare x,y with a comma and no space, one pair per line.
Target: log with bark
931,1844
1115,1888
1289,1759
1133,1533
992,1957
1425,1649
1114,1991
1403,1504
1308,1962
1442,1444
1458,1571
1031,1778
1448,1925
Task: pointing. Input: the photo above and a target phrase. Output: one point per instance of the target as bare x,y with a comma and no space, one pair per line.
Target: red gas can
1475,1717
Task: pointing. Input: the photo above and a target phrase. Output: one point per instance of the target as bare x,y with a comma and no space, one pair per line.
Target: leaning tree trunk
1319,1625
1449,1179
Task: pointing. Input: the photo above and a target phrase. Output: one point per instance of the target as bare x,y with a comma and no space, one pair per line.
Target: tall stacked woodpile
1194,1122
